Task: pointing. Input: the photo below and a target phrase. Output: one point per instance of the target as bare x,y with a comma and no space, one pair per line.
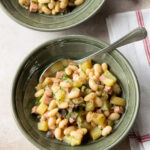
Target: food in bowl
79,100
52,7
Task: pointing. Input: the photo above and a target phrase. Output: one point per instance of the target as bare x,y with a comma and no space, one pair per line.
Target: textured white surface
118,25
17,41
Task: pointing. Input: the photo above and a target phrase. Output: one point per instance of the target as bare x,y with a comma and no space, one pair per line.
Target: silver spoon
137,34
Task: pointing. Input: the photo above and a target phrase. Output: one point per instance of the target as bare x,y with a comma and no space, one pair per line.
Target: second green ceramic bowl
47,22
74,47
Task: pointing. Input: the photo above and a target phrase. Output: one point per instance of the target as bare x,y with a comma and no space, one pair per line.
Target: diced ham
118,109
71,120
99,111
46,114
34,110
59,75
33,7
108,89
57,81
69,89
76,72
102,78
48,92
47,100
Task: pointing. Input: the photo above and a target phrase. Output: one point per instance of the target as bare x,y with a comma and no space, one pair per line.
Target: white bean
52,4
65,84
89,116
51,122
52,105
90,96
114,116
75,92
68,71
68,130
76,134
93,85
39,93
58,120
63,105
78,2
98,102
107,130
73,67
63,3
97,69
58,133
106,113
82,130
52,113
104,67
63,123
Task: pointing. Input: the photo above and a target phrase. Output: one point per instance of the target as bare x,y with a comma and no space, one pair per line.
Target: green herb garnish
37,102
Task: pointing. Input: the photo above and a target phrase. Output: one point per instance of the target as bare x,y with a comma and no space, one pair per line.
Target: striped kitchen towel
138,55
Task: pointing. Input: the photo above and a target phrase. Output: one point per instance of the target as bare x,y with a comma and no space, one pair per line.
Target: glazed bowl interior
48,22
74,47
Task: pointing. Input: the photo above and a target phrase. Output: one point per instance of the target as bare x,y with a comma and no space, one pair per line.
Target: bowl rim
45,29
15,116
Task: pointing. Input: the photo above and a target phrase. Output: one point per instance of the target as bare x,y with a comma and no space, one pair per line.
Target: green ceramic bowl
74,47
51,23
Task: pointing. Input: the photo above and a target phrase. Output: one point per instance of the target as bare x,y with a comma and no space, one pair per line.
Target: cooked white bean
75,92
93,85
106,113
39,93
68,71
107,130
65,84
63,105
97,69
53,12
88,71
63,3
76,78
90,96
114,116
52,105
57,7
76,134
89,116
52,112
47,79
104,67
58,120
82,130
52,4
58,133
98,102
78,2
73,67
24,2
55,87
46,10
68,130
63,123
51,122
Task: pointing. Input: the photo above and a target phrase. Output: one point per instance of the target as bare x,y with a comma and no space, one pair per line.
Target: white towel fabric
138,55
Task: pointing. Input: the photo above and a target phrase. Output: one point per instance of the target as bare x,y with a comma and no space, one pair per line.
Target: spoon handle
133,36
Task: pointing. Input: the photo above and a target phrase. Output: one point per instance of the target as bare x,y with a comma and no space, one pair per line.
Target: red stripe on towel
146,40
144,138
